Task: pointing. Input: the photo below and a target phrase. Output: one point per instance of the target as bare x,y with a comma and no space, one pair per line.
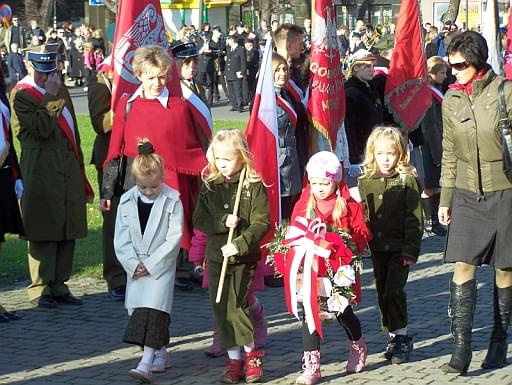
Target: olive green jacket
471,138
393,213
216,201
54,202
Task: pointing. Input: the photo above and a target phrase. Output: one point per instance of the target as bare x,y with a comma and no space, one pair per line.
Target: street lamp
54,14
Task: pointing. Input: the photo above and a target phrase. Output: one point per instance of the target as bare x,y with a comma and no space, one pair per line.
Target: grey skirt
480,232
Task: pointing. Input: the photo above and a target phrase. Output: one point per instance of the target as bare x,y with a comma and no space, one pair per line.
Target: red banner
407,94
326,102
139,23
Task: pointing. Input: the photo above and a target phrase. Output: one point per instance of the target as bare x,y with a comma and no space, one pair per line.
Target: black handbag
506,133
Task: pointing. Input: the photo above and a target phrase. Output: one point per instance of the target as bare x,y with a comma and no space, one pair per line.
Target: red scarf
468,87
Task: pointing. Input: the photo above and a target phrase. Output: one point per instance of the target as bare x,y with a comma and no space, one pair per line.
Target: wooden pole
230,237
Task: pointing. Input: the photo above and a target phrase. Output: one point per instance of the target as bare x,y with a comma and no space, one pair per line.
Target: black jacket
364,112
236,61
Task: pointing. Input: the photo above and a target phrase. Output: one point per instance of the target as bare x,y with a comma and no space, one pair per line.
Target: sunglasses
459,66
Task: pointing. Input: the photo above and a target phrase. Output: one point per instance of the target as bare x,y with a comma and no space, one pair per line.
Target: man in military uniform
187,60
99,95
56,188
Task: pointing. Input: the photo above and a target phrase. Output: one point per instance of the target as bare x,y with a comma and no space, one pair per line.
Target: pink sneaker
260,327
143,373
311,367
161,361
357,356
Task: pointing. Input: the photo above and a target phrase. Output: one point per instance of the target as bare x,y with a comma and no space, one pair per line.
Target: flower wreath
315,249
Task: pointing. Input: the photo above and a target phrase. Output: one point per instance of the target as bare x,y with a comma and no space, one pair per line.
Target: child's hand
407,261
229,250
198,272
232,221
140,271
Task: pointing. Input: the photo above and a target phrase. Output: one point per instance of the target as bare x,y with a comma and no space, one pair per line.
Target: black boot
461,310
497,353
426,203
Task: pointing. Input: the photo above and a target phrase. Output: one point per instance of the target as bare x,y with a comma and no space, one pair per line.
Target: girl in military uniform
391,195
148,231
227,156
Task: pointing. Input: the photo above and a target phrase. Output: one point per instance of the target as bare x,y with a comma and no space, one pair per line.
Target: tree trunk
265,7
452,12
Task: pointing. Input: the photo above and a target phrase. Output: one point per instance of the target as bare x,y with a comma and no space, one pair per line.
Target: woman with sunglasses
476,198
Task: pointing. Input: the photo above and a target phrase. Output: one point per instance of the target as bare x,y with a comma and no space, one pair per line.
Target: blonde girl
228,154
391,196
147,239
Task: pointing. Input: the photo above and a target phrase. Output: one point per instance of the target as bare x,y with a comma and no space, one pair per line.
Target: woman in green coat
476,197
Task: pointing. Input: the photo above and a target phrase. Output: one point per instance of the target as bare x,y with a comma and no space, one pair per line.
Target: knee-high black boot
461,310
427,203
497,353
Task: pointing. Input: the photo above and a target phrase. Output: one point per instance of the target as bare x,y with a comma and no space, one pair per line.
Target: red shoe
234,372
253,365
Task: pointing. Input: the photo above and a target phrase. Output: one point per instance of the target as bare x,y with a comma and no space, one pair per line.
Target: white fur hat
324,164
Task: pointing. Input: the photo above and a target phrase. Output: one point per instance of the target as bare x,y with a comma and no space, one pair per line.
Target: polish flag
139,24
407,94
262,135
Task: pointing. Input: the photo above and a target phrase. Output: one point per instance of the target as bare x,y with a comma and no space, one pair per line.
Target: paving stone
82,345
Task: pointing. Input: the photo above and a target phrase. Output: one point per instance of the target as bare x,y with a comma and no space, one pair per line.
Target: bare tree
452,11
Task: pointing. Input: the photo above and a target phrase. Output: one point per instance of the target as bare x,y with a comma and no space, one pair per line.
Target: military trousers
50,264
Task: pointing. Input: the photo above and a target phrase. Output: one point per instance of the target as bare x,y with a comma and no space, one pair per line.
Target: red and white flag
407,94
262,135
326,103
139,23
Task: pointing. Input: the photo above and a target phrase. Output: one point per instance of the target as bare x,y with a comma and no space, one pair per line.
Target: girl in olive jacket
227,156
391,196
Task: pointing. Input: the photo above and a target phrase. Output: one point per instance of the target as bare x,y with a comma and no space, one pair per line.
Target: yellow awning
194,4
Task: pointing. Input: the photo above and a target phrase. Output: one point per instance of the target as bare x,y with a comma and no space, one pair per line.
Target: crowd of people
199,198
79,49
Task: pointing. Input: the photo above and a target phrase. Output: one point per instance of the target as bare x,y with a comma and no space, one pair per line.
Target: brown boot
234,372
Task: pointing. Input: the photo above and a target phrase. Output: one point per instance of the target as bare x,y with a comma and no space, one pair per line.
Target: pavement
82,345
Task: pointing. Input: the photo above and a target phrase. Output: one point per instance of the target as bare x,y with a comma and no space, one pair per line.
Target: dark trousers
348,320
113,272
235,93
232,313
212,90
390,279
